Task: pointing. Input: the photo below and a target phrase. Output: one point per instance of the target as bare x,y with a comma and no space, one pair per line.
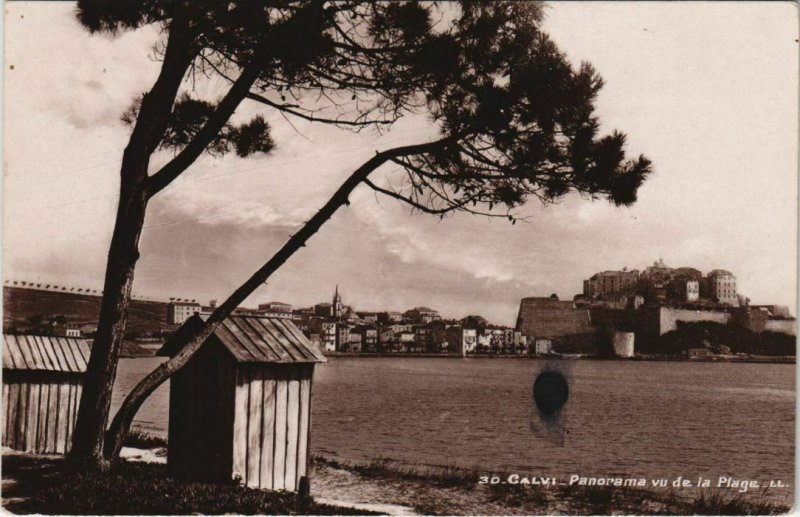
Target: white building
328,336
179,312
543,346
721,287
692,291
67,330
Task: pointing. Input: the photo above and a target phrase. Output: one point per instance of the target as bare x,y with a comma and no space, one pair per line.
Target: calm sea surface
639,419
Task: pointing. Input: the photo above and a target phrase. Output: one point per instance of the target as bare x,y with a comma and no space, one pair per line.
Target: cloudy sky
707,91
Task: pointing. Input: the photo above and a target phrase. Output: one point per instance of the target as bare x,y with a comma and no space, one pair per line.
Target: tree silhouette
515,118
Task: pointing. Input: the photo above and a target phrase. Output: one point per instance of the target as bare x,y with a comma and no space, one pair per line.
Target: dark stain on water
550,392
548,415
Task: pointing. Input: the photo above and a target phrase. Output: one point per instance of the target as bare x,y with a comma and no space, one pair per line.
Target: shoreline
709,359
637,358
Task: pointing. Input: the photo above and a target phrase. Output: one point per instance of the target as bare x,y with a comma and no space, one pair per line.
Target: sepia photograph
345,257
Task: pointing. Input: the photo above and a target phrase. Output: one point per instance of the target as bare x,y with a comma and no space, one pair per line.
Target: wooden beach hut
42,380
241,407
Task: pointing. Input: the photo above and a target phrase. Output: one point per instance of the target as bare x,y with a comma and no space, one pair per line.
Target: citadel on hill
662,284
646,304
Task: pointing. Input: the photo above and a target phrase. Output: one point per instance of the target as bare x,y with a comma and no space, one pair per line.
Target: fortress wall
550,318
669,318
782,326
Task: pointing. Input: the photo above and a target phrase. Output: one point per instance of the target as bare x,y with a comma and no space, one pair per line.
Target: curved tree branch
192,341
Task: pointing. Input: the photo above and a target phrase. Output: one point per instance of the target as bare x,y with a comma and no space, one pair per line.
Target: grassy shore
43,485
454,491
46,486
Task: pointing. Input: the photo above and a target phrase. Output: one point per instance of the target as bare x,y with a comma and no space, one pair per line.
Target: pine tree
516,122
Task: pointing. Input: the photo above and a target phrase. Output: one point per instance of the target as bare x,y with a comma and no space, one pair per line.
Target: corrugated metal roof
256,339
45,353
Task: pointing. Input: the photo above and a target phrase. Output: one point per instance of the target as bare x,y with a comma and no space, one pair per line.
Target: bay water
642,419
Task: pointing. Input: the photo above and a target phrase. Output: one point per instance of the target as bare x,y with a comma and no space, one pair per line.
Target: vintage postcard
404,258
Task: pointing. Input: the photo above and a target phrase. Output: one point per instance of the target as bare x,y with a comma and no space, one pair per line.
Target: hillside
21,304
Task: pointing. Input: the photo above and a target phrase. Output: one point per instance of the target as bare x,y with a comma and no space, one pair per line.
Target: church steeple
336,307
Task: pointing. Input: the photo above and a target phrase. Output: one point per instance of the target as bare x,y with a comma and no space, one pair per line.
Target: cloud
420,238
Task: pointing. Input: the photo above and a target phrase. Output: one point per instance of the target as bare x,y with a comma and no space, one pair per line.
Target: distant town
622,313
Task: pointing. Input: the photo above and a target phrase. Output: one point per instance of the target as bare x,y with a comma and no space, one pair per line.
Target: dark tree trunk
151,123
99,380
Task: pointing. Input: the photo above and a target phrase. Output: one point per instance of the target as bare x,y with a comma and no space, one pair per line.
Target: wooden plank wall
271,424
40,412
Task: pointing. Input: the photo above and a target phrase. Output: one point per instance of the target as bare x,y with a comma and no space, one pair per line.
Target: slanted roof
45,353
255,339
